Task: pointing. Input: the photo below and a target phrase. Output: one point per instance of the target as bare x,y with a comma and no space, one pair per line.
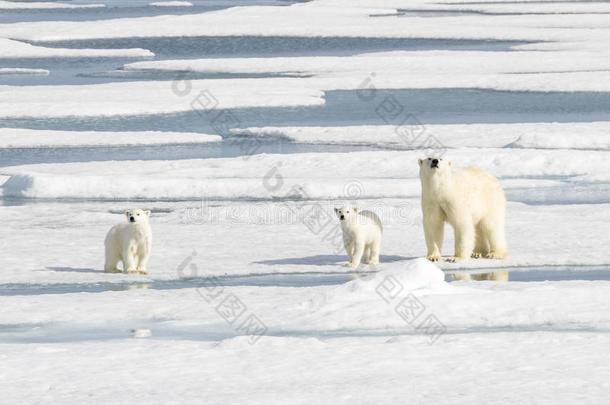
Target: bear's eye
429,158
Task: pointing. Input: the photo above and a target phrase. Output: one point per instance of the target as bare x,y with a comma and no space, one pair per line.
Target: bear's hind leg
374,258
143,256
367,254
497,242
112,261
481,244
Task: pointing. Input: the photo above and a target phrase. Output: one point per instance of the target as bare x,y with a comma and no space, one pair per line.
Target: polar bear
469,199
361,235
130,243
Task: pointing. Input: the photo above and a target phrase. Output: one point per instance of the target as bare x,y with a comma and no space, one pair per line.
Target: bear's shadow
325,260
73,269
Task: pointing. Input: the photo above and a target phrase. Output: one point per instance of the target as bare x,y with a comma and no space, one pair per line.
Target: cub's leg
129,261
143,261
375,248
367,254
113,257
348,242
112,261
357,258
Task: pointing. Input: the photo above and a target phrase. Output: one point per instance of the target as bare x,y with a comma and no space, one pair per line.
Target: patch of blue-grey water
309,279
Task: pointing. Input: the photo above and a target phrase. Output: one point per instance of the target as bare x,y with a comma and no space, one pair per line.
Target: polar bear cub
129,242
361,235
471,201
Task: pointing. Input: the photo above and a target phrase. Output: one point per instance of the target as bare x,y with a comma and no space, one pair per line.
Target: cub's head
137,216
346,213
433,165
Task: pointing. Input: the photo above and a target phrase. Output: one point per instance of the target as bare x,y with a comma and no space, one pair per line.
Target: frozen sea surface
532,328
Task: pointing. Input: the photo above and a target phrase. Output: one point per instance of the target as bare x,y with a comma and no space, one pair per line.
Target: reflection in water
490,276
126,287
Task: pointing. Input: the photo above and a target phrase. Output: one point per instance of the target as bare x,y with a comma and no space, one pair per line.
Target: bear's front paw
350,264
477,255
496,255
142,271
132,271
433,258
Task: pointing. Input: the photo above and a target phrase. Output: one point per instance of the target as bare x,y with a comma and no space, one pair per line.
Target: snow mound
395,280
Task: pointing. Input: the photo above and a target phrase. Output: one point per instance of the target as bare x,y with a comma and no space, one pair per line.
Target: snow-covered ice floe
16,5
594,135
326,18
306,175
23,71
152,97
30,138
16,49
509,70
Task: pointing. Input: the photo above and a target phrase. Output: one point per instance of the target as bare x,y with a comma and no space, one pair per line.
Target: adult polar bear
469,199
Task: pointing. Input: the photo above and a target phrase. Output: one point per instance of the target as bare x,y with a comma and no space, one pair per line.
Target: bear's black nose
342,217
434,162
132,219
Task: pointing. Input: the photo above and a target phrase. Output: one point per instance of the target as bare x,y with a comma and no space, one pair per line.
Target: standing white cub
469,199
361,235
130,243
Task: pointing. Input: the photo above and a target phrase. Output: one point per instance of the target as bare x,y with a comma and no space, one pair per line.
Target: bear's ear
355,209
147,212
420,161
127,213
336,210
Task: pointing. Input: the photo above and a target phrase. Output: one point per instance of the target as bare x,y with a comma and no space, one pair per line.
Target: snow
171,4
14,5
534,71
356,344
324,19
23,71
28,138
241,228
17,49
150,97
316,175
593,135
284,370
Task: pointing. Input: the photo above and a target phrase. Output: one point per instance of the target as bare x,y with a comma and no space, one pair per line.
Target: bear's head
137,216
433,165
346,213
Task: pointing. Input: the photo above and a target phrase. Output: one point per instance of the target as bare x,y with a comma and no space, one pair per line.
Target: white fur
471,201
129,242
361,235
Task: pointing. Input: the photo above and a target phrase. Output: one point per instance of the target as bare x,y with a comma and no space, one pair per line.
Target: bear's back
372,218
